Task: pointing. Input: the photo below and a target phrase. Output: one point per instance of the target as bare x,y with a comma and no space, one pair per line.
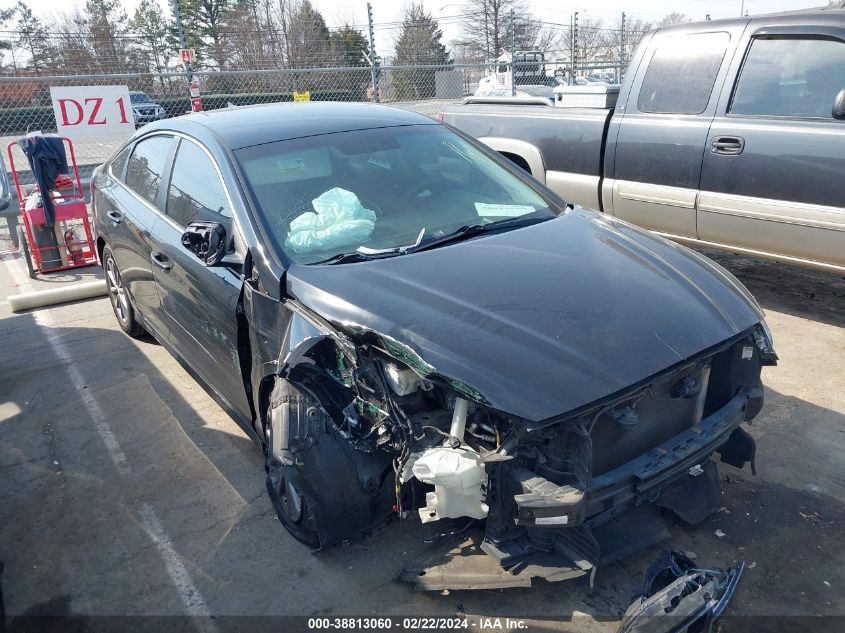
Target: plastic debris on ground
679,596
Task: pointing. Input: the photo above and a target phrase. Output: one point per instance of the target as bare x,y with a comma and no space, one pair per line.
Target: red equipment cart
70,251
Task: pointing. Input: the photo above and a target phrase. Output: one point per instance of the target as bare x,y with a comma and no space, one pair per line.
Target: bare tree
673,18
533,35
485,27
623,43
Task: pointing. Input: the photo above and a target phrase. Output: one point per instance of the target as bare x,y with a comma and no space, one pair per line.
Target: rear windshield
378,189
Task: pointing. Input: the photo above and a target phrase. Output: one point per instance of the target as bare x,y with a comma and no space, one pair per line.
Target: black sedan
409,325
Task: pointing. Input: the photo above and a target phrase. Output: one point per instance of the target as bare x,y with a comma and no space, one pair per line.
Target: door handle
729,145
161,260
115,216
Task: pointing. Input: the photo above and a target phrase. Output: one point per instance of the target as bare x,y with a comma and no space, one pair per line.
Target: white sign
92,111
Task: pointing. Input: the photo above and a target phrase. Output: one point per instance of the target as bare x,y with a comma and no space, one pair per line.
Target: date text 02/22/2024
417,623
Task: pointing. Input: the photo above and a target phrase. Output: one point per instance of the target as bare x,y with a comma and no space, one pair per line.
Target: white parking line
188,592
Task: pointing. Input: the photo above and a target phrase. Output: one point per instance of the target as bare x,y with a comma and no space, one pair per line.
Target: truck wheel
120,303
23,245
292,505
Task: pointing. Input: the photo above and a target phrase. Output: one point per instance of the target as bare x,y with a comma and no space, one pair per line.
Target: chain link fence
26,105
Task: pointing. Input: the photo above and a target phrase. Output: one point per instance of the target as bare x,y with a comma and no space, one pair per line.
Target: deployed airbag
338,219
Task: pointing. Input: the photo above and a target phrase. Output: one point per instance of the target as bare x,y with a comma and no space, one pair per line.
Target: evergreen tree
418,44
307,38
350,47
106,24
204,22
32,37
152,47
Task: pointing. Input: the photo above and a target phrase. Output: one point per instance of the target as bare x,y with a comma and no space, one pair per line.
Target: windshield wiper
363,254
345,258
393,250
471,230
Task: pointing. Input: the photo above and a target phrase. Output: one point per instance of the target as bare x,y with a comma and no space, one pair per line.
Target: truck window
682,73
790,77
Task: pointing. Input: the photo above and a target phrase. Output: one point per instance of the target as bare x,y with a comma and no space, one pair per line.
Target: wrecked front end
383,433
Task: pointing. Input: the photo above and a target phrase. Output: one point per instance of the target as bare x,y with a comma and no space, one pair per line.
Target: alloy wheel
117,292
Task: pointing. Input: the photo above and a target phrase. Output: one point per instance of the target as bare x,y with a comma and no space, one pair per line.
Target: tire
120,302
23,246
293,507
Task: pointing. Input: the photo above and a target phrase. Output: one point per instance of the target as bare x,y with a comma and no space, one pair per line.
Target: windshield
139,97
379,189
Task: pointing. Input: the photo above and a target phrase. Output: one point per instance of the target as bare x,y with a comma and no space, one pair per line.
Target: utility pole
573,29
621,49
177,13
486,35
373,58
513,56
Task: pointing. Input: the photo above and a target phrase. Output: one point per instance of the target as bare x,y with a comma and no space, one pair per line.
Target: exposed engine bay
552,495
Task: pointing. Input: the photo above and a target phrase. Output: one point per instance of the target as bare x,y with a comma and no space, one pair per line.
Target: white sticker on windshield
502,210
291,164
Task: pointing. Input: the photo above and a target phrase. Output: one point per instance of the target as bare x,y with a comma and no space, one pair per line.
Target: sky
385,12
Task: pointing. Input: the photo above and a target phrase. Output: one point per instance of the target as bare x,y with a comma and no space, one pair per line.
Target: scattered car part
681,597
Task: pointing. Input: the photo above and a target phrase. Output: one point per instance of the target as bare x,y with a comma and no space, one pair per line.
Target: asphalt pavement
125,490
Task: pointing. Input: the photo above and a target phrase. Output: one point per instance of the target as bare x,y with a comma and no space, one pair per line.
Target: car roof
244,126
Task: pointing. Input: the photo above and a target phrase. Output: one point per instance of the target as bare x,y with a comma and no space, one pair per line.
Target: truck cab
726,134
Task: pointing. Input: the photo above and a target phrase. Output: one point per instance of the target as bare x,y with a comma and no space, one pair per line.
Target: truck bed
571,140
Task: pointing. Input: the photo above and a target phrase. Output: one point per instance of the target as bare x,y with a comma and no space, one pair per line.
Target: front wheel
122,307
293,508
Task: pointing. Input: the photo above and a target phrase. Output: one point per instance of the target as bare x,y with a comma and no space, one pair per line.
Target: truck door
773,176
662,127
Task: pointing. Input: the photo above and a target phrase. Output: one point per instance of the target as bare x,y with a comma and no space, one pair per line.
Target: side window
790,77
681,74
146,165
196,193
119,162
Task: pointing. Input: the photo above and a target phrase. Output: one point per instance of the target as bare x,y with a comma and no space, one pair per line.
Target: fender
523,149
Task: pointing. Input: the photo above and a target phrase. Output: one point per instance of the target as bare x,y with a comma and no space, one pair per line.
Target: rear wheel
23,245
123,310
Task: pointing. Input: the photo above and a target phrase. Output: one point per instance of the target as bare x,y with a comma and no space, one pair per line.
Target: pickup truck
726,134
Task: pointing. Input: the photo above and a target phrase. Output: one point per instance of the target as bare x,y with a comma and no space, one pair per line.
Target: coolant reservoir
457,475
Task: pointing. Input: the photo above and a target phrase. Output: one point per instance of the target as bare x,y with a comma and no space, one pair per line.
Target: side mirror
839,105
206,240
